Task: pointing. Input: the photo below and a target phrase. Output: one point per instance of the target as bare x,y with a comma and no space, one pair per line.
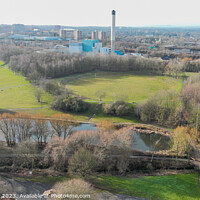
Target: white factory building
75,48
78,48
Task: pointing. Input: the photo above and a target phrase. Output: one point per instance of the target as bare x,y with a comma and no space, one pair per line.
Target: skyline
129,13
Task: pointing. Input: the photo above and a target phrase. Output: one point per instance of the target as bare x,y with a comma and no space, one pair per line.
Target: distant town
160,42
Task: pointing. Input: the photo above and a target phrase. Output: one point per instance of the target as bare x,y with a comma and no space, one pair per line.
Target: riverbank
145,128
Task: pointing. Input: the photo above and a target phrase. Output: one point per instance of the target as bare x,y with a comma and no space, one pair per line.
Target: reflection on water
149,142
85,127
140,141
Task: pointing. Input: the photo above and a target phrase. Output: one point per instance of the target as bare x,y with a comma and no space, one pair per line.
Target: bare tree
62,124
40,128
100,94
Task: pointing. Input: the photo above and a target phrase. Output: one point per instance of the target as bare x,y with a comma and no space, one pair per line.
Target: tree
118,108
114,150
40,128
57,153
7,126
181,141
38,94
62,124
53,88
82,163
70,103
165,108
27,155
100,94
23,128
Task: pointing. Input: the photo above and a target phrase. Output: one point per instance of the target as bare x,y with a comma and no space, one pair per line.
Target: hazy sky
98,12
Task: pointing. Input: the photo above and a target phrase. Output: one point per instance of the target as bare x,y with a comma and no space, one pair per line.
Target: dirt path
95,111
16,186
13,86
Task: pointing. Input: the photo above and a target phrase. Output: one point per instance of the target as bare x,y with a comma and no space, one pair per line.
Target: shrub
92,151
118,108
57,154
165,108
82,163
26,155
76,187
70,104
149,167
53,88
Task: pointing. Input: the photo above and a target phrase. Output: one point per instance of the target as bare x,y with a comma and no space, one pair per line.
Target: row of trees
21,127
35,65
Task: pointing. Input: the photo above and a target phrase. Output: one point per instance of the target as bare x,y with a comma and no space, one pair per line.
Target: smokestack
113,32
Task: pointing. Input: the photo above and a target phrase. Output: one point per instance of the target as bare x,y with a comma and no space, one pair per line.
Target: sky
98,12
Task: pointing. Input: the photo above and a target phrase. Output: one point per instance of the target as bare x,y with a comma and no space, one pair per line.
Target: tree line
34,65
21,127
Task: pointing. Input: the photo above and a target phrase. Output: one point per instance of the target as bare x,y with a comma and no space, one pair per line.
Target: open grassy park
170,187
133,87
16,92
167,187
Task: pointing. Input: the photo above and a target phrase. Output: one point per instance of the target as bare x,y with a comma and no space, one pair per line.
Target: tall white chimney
113,32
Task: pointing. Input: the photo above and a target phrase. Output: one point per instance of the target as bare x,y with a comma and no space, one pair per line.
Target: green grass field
135,87
9,79
170,187
16,92
1,63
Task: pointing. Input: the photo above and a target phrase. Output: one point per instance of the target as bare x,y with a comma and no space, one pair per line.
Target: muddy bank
143,128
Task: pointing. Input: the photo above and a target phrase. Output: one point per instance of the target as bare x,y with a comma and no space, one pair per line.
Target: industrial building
94,45
28,37
113,32
89,44
76,47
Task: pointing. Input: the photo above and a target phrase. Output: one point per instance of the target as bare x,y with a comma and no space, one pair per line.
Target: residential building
94,35
77,35
101,35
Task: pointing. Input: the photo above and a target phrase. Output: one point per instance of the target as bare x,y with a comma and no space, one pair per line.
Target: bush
92,151
53,88
149,167
82,163
76,187
57,153
165,108
27,157
70,104
118,108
